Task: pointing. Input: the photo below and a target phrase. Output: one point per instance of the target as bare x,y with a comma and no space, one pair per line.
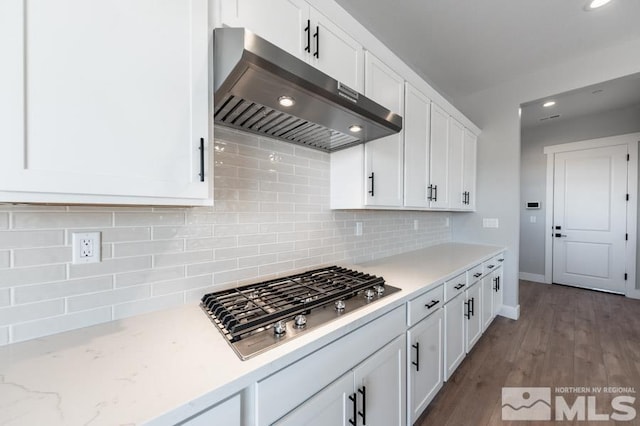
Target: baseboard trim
536,278
512,312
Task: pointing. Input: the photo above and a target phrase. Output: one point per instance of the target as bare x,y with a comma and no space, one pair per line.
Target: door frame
632,140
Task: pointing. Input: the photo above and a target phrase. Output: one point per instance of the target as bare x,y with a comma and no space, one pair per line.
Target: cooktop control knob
300,321
379,289
369,293
340,305
280,328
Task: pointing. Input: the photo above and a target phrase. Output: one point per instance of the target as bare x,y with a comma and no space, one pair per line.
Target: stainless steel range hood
252,76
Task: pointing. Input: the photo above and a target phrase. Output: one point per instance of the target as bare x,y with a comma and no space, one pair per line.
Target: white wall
495,110
534,168
271,217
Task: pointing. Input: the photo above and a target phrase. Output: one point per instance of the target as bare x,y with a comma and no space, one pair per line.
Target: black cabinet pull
498,278
473,306
417,362
201,174
491,266
430,193
468,306
465,197
432,304
495,284
477,274
459,286
308,31
501,260
352,397
317,37
435,193
373,184
363,413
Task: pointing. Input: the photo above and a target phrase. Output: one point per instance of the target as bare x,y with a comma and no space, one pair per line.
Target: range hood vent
251,75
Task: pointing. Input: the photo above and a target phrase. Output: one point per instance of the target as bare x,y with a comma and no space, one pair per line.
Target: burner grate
239,311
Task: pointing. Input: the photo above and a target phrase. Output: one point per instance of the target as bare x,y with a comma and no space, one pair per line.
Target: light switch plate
490,223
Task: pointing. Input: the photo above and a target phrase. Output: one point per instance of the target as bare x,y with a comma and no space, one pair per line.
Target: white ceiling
464,46
610,95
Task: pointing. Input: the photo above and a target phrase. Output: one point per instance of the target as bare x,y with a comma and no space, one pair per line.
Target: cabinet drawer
424,305
499,260
455,286
490,265
475,273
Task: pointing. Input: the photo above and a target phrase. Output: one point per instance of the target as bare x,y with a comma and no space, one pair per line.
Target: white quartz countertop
166,366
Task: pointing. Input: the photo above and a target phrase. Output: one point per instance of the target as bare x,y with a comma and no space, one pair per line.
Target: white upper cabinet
416,148
469,170
104,102
298,28
384,157
439,161
456,155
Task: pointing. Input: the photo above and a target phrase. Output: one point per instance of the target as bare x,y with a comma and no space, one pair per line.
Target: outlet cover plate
86,247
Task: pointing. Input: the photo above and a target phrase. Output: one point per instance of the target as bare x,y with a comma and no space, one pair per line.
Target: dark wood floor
564,337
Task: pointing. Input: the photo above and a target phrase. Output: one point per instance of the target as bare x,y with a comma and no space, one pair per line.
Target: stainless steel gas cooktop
256,317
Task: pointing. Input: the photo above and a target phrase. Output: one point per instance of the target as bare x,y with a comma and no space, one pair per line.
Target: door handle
316,36
417,361
373,184
363,413
352,397
558,235
308,31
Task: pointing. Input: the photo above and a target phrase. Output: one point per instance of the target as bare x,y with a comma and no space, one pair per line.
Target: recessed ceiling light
286,101
549,104
355,128
595,4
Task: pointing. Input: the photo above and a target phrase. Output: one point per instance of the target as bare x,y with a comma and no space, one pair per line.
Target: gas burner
245,314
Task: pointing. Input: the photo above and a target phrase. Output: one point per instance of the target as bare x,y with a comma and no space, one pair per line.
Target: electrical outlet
358,229
86,247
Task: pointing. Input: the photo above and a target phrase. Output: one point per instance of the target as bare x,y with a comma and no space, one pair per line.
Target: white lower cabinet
424,364
372,393
454,340
472,316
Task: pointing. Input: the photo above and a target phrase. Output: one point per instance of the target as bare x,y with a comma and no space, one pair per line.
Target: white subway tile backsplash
107,298
138,307
149,276
5,258
31,311
35,329
41,256
38,274
60,289
31,220
110,266
5,297
271,217
23,239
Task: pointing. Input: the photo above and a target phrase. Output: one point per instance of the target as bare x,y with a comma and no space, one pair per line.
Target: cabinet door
456,158
487,301
336,53
473,316
424,364
380,386
230,410
439,159
282,22
330,406
498,291
454,339
469,169
416,148
105,100
384,157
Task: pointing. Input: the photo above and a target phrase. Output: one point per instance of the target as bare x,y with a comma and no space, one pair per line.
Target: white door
330,406
380,386
488,288
456,165
589,218
424,356
469,170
